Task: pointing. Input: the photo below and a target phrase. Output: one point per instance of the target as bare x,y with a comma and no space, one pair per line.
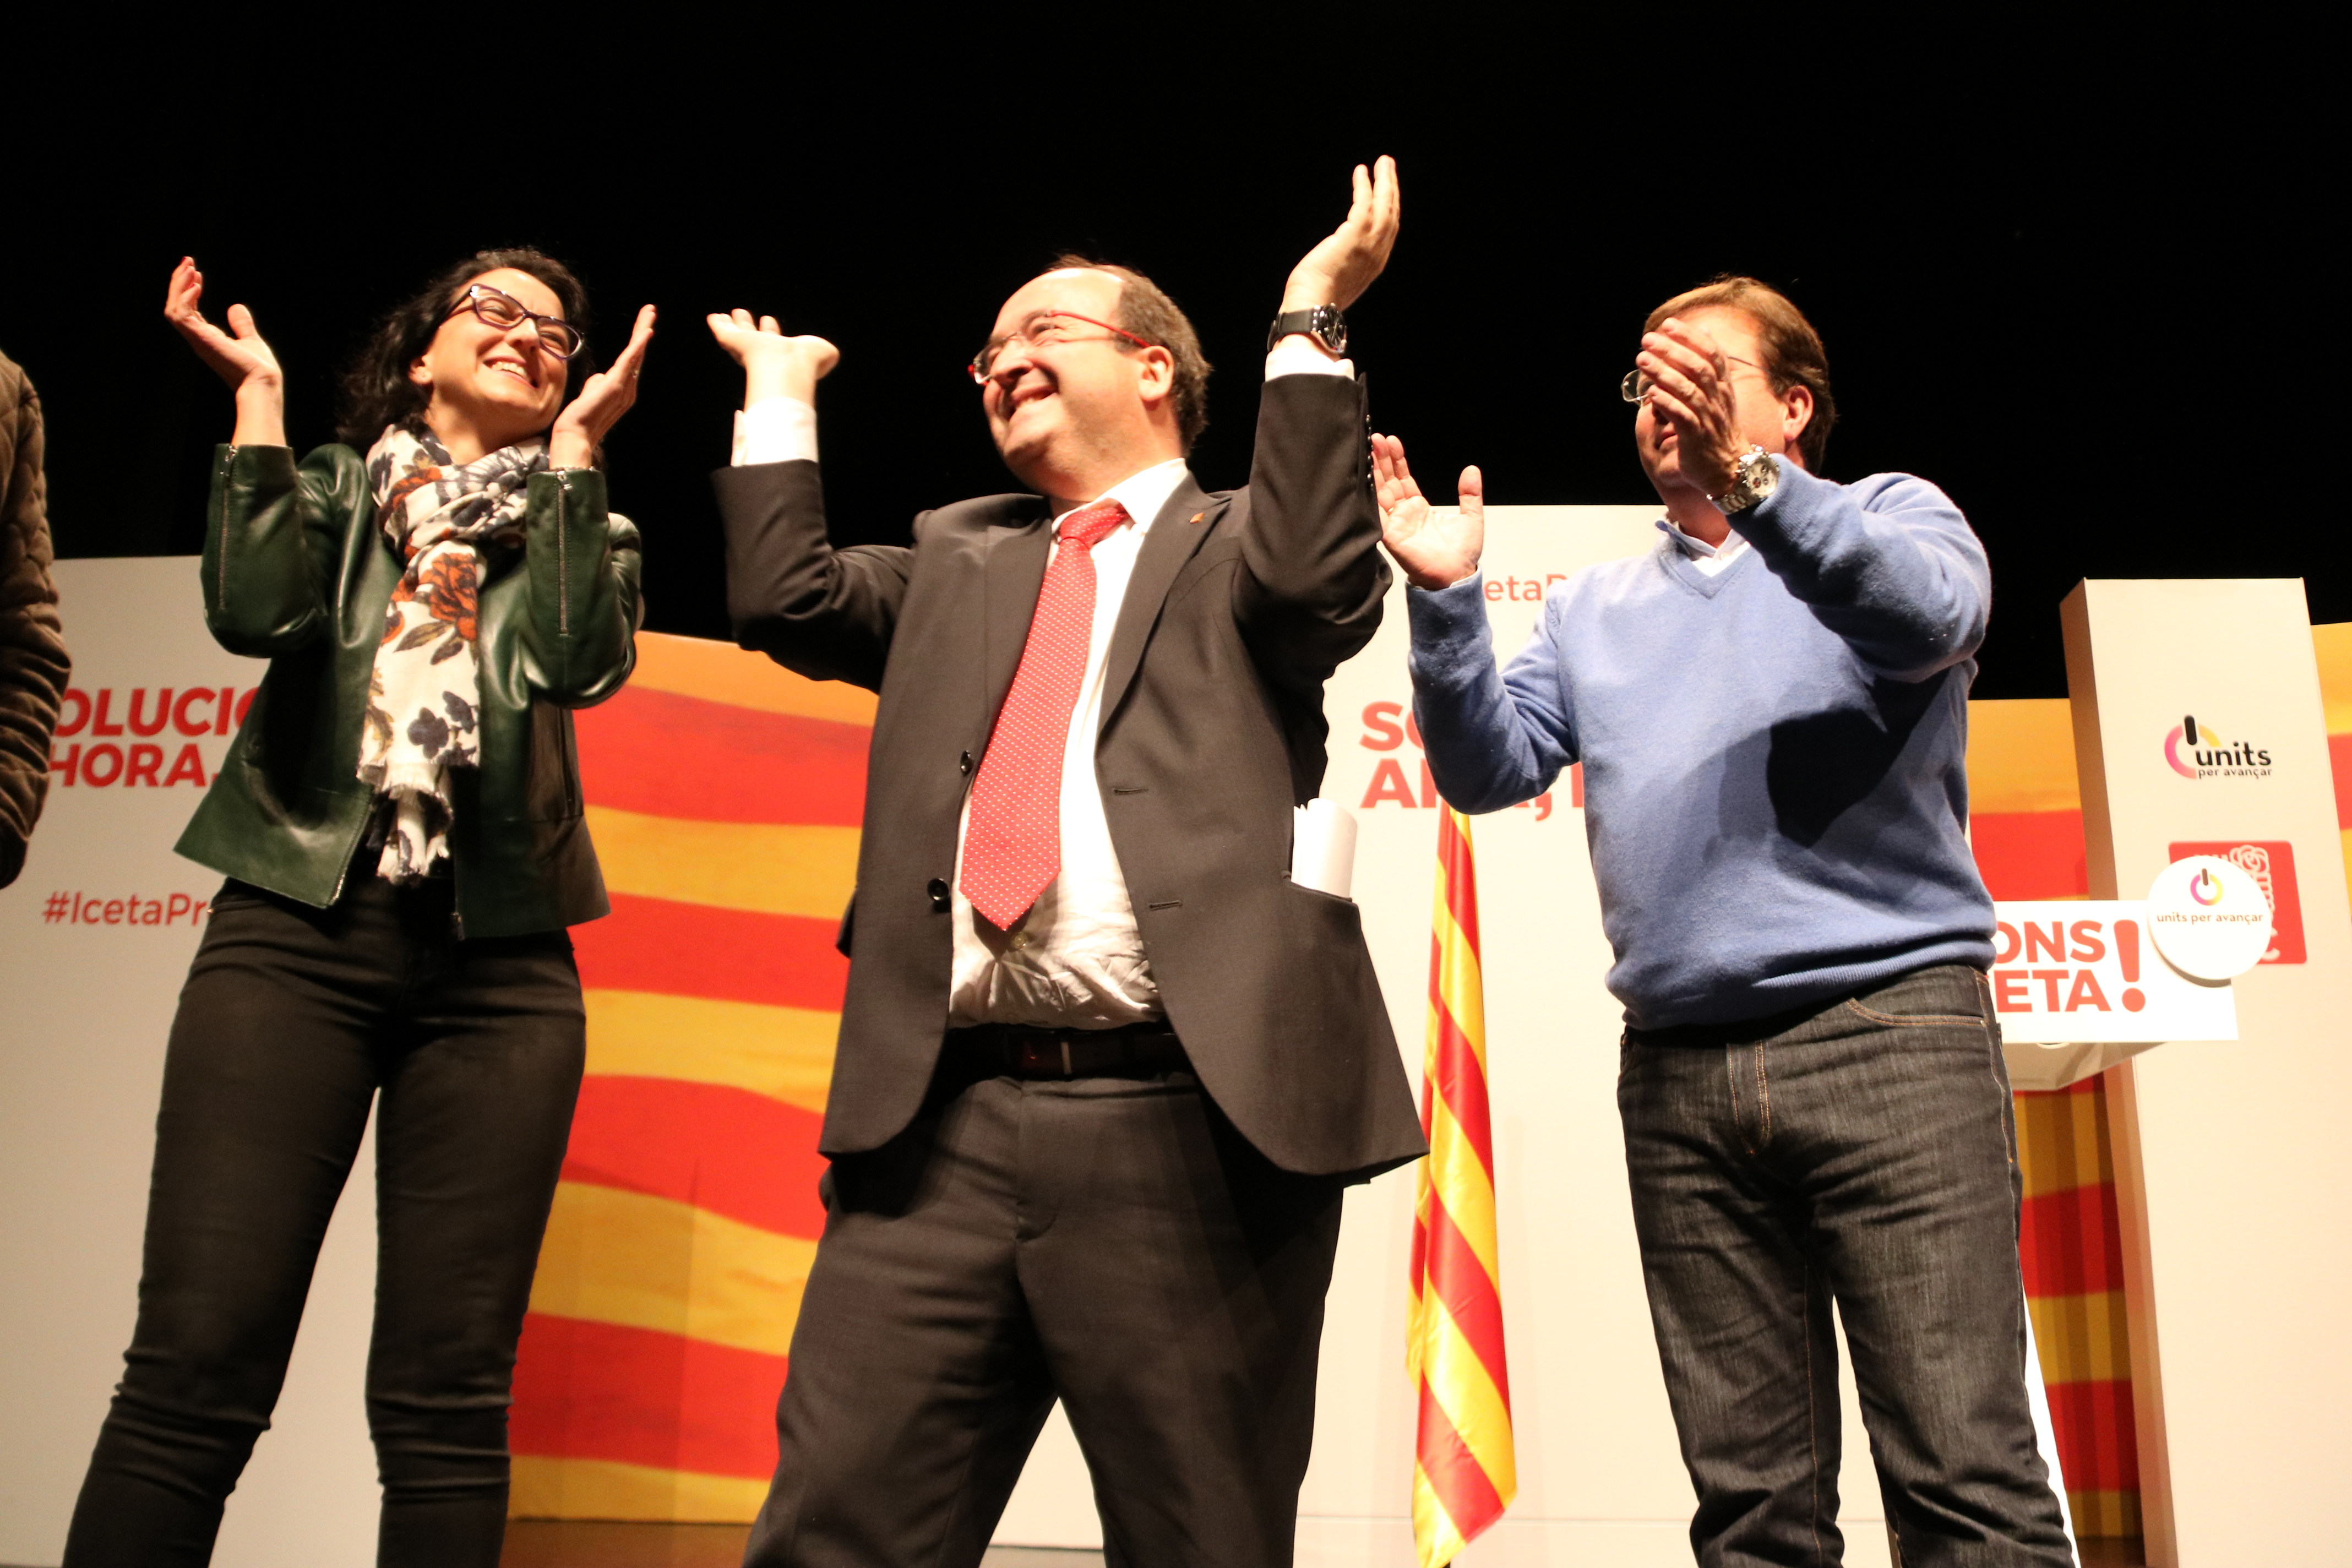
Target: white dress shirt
1076,959
1711,560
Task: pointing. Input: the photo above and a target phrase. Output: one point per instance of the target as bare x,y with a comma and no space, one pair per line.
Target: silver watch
1753,478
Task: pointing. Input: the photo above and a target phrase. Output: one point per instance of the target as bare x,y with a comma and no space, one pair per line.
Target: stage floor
566,1543
554,1543
550,1544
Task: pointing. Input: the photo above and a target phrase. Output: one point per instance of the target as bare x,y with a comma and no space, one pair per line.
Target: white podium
2199,730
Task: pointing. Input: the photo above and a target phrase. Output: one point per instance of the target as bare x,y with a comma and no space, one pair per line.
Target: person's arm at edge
1888,564
34,667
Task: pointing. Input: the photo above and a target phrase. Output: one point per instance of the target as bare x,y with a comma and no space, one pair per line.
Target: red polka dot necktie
1012,843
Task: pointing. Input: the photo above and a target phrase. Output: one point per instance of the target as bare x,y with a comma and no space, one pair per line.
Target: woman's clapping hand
580,429
243,360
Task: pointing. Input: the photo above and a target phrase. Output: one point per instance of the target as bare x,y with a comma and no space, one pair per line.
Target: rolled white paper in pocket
1323,847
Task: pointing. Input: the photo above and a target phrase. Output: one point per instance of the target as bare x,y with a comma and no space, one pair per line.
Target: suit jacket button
964,761
939,892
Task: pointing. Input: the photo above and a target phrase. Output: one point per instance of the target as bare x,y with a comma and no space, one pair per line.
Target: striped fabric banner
723,794
2334,645
2025,823
1464,1470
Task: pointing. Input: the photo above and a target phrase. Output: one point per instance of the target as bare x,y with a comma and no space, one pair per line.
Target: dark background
2084,289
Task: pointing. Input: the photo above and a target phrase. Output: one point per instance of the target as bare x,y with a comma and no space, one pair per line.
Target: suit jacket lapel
1175,536
1012,575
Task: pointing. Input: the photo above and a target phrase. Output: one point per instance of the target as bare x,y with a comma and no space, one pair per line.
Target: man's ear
1796,413
1155,373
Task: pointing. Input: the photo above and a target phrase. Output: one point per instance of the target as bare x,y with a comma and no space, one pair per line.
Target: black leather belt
1025,1050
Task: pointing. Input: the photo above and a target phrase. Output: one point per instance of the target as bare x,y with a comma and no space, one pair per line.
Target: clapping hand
1344,264
773,364
1434,552
235,359
244,360
1690,389
604,397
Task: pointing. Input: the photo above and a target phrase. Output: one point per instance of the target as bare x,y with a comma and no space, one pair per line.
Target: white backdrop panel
88,1005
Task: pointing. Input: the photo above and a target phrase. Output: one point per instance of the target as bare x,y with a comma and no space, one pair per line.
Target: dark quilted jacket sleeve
33,664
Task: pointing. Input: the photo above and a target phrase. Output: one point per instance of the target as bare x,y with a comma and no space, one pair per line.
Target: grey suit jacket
1240,604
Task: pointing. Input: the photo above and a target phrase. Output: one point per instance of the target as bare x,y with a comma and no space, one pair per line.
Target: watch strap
1327,324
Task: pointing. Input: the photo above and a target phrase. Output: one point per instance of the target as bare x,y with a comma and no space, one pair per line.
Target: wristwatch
1753,478
1327,324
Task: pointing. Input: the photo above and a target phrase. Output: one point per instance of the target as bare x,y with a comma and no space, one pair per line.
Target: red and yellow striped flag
1464,1472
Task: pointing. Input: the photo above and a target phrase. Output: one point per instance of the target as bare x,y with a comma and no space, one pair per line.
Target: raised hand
604,397
1690,389
773,364
244,360
1434,551
235,359
1343,266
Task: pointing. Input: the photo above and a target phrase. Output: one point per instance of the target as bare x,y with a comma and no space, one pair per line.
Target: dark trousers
1108,1240
292,1021
1866,1152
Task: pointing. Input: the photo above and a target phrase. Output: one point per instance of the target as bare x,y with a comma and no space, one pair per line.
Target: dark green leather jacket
296,571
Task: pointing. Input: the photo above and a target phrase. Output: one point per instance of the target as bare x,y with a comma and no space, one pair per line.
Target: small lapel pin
1197,516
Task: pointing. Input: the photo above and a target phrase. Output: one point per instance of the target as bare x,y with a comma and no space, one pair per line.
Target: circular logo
2208,917
2185,767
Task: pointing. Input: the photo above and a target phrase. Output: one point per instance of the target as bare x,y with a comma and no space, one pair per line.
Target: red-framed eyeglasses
1042,327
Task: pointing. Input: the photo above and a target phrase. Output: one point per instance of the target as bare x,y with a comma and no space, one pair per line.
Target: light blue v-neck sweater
1775,787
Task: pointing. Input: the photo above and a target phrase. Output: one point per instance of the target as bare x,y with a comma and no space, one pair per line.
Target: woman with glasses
399,822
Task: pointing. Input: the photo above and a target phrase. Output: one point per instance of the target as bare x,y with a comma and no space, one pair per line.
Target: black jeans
1865,1150
1108,1240
292,1021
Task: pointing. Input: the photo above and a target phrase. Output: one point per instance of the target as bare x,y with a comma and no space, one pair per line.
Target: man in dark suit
1104,1069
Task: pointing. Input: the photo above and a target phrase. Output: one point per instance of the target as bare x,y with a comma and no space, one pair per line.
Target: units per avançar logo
2196,752
2270,864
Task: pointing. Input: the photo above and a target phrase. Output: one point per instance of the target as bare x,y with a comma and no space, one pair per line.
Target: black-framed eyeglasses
1635,388
503,311
1042,327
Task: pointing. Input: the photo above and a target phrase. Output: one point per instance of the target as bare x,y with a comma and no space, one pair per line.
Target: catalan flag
725,795
1465,1471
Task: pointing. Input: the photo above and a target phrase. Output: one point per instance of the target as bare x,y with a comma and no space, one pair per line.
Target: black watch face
1330,329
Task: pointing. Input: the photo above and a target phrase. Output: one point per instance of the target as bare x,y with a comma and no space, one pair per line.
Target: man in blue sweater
1772,709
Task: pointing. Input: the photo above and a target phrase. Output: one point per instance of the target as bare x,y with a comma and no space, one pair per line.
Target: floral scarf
425,695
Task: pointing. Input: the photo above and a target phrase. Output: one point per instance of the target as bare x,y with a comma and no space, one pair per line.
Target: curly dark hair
376,389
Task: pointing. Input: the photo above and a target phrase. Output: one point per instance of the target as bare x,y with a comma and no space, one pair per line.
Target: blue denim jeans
1864,1151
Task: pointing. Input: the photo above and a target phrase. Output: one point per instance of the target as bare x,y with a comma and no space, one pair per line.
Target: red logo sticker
2271,864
